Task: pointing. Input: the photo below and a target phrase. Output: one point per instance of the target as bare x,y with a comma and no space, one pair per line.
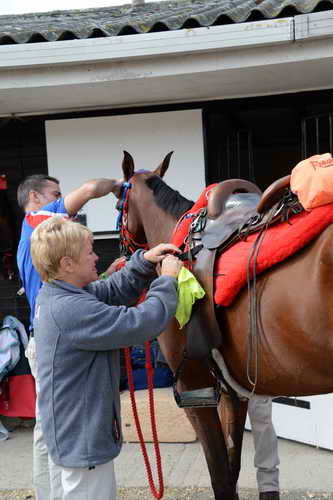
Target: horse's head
135,199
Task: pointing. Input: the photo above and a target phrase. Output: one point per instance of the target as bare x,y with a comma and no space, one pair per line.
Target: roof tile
152,16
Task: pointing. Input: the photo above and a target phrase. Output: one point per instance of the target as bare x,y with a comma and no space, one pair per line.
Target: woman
80,324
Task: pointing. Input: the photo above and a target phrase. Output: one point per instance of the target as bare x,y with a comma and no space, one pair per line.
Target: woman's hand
160,252
171,266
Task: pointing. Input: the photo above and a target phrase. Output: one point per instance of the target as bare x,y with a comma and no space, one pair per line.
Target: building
237,89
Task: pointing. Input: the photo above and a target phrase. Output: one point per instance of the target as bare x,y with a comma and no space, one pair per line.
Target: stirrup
199,398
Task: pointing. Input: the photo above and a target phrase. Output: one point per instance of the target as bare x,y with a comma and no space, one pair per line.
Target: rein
128,246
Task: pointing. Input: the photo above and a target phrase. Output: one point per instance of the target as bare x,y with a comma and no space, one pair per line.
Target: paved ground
306,472
178,494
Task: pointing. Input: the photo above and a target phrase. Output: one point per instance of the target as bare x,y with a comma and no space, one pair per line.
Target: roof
150,17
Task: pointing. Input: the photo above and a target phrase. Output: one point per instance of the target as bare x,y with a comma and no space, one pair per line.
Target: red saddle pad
280,242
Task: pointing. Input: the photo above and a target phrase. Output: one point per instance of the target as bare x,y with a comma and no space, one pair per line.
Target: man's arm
95,188
115,266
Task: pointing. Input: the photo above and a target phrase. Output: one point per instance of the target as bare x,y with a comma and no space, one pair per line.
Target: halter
128,244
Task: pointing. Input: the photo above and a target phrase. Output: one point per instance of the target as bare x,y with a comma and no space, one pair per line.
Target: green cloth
189,290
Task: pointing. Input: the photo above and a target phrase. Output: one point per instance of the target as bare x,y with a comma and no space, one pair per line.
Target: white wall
307,425
85,148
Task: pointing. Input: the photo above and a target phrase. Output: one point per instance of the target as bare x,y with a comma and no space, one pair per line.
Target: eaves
239,60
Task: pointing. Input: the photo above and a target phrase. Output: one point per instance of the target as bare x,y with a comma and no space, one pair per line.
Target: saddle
235,209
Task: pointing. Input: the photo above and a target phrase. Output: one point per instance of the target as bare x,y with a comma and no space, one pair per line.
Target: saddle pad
280,242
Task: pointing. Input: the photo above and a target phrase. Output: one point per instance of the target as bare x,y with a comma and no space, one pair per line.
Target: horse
295,325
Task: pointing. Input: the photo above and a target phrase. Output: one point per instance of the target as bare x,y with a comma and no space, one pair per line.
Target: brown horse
295,323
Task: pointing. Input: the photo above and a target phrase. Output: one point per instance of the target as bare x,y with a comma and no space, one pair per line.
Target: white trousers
266,458
97,483
46,475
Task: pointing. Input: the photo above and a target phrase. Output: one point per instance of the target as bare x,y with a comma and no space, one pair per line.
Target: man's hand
95,188
113,267
158,253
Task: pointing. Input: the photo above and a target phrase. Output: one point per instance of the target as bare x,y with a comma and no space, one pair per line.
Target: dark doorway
262,139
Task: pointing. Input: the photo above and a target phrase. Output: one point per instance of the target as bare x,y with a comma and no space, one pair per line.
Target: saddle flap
202,331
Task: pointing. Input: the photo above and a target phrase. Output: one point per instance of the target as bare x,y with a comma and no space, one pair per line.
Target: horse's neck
158,226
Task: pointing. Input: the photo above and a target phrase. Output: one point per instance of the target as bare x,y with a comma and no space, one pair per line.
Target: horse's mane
170,200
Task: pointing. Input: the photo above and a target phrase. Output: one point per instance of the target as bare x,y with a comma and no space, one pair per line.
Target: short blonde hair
53,239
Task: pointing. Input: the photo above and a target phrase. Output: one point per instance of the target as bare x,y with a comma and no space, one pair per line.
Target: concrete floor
305,471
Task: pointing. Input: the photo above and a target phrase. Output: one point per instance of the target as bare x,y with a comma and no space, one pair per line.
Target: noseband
128,244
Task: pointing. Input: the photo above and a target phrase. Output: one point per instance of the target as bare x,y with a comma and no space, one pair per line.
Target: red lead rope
150,374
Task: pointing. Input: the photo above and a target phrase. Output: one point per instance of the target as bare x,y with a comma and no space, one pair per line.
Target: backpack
162,374
9,346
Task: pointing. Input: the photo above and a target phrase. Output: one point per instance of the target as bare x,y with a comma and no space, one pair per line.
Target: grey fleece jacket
78,333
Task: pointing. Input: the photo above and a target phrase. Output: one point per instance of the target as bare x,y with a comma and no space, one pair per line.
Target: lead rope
150,373
129,245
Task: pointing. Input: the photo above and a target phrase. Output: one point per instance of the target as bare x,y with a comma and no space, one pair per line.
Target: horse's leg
205,421
232,412
207,426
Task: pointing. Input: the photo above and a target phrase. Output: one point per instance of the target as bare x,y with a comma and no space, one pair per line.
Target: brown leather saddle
235,209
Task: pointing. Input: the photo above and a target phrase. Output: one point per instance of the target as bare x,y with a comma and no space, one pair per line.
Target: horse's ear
163,167
128,166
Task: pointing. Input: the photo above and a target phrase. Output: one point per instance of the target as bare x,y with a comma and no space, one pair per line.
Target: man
266,458
80,325
39,196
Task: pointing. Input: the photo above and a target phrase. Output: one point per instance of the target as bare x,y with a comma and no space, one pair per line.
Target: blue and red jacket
30,278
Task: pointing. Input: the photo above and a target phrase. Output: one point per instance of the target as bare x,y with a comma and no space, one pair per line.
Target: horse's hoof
269,495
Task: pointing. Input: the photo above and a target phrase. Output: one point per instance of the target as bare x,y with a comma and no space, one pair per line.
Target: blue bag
163,376
9,346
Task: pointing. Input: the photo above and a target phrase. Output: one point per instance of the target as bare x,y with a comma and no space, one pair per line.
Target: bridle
128,244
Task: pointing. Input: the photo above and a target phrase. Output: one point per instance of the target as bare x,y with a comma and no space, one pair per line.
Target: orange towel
312,181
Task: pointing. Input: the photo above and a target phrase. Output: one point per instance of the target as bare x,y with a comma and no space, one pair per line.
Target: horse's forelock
142,171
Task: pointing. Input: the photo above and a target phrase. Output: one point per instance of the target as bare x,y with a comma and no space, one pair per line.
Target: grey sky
24,6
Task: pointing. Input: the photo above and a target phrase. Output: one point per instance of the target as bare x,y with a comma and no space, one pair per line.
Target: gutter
142,46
